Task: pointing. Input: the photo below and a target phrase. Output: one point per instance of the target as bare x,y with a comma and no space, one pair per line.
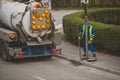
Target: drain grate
75,63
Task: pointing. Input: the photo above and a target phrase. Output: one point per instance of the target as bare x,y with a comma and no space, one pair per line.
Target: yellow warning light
37,15
33,17
34,12
33,27
46,11
47,16
43,15
40,18
38,26
37,5
33,22
47,21
48,26
43,26
12,36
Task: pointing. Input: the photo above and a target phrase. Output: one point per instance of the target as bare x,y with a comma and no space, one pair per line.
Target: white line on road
38,78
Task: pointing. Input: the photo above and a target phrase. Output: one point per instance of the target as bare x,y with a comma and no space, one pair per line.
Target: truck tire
5,53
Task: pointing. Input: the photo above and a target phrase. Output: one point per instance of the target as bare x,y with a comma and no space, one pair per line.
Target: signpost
85,2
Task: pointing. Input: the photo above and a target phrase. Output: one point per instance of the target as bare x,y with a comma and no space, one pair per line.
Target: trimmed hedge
65,3
92,3
107,36
109,16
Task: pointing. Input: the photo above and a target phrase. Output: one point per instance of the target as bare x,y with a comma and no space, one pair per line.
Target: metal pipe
86,31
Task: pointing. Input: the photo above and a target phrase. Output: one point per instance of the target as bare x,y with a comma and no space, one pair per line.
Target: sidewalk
104,62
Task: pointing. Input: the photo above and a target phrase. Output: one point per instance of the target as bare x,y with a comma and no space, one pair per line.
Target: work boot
83,57
92,59
94,55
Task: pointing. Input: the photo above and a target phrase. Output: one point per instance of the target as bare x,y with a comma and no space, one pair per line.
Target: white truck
27,30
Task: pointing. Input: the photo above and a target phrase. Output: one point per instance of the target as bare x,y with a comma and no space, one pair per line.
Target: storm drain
75,63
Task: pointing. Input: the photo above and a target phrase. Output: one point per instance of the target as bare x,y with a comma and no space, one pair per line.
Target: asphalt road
49,69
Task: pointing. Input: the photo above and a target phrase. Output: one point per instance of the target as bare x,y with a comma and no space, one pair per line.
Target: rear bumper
32,52
29,56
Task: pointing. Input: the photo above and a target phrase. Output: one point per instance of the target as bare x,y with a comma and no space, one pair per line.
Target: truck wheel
5,53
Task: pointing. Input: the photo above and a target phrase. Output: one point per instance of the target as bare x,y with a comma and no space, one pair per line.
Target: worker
91,36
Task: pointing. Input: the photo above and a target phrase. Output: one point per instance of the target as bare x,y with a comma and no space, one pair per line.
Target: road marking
38,78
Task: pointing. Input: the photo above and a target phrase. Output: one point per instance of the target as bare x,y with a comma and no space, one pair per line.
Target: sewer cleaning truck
27,30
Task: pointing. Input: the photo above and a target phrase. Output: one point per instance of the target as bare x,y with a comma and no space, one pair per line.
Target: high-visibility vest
90,30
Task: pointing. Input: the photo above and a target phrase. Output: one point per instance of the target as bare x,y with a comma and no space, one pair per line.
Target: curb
58,56
102,68
92,66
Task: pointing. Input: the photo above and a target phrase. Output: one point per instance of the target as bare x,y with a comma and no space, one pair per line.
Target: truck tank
13,14
27,30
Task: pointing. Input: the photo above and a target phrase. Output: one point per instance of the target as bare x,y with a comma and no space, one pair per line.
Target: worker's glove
79,38
90,41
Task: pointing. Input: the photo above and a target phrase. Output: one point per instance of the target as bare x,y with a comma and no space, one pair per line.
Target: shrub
92,3
109,16
107,36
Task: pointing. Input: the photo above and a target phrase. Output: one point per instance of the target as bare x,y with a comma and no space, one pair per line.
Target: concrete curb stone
91,65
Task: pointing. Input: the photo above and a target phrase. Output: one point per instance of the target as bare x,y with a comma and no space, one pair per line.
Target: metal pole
86,31
79,46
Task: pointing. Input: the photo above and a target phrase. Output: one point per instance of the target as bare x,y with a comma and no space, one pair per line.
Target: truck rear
27,30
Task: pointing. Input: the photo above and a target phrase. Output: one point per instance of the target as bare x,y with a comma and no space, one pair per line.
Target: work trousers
90,46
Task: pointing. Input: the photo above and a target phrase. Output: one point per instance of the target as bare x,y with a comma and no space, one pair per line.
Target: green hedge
65,3
107,36
109,16
92,3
